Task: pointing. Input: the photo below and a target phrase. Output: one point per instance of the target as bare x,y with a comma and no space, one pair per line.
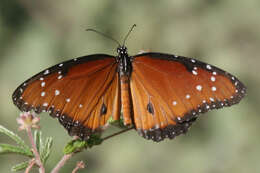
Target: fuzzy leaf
15,137
74,146
78,145
46,149
20,166
95,139
7,148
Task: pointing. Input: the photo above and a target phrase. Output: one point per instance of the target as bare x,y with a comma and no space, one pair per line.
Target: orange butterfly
160,95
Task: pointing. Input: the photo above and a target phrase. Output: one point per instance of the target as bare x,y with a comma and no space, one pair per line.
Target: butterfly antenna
134,25
107,36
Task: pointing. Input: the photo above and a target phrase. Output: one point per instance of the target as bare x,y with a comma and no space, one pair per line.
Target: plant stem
118,133
66,157
32,162
80,165
61,163
35,152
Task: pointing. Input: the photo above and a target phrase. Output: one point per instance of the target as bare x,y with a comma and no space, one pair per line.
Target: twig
61,163
32,162
35,152
80,165
118,133
66,157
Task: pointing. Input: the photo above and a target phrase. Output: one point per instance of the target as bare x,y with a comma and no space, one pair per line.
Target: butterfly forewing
168,93
82,93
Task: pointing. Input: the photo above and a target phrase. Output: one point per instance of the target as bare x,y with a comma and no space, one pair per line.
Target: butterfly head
122,51
124,61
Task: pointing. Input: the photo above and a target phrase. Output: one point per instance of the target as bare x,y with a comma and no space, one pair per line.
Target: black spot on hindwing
103,110
150,108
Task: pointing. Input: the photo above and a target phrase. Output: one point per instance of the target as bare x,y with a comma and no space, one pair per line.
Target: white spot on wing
208,66
60,65
187,96
174,103
80,105
211,99
194,72
45,104
213,79
60,76
193,60
42,84
46,72
199,87
41,78
68,100
214,73
57,92
43,94
213,88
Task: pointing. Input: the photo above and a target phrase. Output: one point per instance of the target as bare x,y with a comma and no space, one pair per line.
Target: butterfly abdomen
126,99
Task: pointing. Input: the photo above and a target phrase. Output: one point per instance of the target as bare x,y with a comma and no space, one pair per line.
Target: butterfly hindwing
168,93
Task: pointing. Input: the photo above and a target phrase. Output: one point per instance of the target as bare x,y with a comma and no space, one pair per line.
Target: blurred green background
37,34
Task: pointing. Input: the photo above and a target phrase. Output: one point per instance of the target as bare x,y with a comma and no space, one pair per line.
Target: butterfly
160,95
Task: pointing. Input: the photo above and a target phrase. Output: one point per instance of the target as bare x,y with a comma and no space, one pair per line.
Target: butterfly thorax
125,70
124,65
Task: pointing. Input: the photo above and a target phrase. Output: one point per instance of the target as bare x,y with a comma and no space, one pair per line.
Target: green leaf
38,140
15,137
20,166
46,149
74,146
95,139
78,145
7,148
118,123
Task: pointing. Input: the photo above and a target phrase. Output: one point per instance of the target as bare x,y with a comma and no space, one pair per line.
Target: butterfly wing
82,93
168,93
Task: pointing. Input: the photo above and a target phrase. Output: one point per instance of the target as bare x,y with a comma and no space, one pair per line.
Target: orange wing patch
81,96
169,92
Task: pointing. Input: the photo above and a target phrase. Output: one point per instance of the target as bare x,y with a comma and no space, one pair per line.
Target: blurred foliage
37,34
43,148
